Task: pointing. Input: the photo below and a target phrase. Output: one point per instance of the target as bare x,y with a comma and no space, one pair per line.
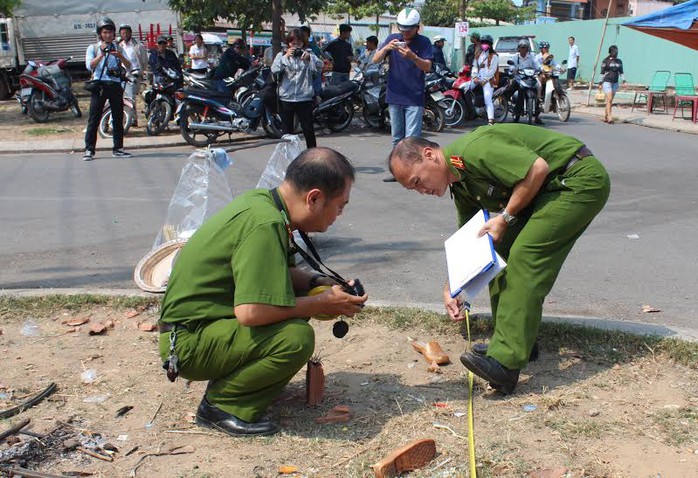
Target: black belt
581,153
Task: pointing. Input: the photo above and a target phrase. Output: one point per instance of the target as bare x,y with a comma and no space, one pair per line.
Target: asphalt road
70,224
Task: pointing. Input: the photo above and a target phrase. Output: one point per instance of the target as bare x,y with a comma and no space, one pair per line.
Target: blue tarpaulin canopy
678,23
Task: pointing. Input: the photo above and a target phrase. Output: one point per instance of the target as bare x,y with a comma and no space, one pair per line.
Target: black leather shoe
390,179
481,349
211,417
500,377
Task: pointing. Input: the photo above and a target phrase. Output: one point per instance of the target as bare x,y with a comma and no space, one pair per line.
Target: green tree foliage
501,11
7,6
440,13
364,8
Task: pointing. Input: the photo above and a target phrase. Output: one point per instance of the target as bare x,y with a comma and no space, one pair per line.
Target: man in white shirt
136,53
198,55
572,62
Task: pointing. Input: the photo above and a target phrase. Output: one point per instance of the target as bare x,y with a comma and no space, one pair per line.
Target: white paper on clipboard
472,261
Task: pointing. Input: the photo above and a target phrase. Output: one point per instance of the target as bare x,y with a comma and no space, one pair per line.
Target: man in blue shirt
410,57
231,61
437,51
163,57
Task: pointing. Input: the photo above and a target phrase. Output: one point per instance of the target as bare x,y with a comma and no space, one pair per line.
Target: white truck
46,30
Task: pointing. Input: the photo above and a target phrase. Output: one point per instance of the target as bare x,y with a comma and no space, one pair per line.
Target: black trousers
113,92
304,110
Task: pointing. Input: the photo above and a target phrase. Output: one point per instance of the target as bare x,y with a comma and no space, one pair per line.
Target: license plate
26,91
437,96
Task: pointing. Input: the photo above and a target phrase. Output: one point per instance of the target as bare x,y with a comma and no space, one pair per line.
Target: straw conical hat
153,271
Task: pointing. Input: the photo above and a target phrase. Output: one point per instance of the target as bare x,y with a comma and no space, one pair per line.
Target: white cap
439,38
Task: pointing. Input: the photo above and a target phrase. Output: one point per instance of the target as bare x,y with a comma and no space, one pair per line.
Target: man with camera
547,188
105,59
236,308
409,55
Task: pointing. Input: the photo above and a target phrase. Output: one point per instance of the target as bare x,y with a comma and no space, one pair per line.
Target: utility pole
598,52
276,13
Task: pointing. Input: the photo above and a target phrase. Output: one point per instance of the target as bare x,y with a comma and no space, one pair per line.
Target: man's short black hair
344,28
321,168
372,39
305,29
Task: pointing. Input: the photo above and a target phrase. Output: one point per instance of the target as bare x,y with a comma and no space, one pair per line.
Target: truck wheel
5,90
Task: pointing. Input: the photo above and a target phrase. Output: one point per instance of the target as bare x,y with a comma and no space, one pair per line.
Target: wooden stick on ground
14,429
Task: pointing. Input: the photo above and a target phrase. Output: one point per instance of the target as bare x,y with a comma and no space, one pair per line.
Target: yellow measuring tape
471,431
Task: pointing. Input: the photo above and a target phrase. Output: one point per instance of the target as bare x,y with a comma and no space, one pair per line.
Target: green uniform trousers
535,248
247,367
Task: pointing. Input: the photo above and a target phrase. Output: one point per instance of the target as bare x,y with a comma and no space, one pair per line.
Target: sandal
609,121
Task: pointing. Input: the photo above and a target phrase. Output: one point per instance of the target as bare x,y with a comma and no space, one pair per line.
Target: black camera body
298,52
357,289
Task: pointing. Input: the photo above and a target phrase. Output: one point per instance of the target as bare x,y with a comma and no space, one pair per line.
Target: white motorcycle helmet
408,18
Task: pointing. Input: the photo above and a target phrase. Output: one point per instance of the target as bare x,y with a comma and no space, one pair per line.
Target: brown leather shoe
432,352
409,457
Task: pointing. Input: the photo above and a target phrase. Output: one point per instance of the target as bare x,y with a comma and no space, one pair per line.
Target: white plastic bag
202,191
285,152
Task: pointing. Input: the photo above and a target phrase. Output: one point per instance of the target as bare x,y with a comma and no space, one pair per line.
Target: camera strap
104,66
315,262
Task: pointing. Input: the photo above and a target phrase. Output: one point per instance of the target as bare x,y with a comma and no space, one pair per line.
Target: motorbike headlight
529,71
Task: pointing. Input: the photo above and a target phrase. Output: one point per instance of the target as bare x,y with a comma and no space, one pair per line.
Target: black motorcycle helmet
487,39
105,22
125,26
544,44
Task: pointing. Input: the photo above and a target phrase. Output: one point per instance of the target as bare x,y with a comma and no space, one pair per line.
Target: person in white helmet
438,51
410,57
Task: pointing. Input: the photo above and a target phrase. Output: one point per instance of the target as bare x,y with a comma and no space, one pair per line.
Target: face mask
485,47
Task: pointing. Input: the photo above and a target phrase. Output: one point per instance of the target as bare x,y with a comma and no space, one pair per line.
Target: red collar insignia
457,162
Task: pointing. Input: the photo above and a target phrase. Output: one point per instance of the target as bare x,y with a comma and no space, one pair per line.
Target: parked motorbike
160,102
336,108
373,105
455,107
555,98
106,125
434,103
47,87
198,80
205,115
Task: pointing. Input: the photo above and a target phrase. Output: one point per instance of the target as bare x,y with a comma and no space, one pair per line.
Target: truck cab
507,48
8,58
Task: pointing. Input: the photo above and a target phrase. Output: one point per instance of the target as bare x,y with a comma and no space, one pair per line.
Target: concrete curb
78,145
637,328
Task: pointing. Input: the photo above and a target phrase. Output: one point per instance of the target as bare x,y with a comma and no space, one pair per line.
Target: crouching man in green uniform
547,188
235,311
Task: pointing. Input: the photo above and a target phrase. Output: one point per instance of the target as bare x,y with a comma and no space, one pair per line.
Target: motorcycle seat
213,94
335,90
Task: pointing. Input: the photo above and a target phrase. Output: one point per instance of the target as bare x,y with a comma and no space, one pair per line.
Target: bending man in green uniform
235,305
547,187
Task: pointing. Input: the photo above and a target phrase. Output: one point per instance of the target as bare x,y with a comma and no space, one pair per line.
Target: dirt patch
631,418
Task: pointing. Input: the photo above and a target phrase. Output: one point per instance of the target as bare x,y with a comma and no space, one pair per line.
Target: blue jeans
405,121
338,78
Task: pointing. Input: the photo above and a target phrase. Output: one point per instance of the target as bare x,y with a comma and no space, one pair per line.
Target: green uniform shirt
496,158
239,256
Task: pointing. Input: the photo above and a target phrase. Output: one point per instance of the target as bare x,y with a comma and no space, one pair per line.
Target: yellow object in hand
319,290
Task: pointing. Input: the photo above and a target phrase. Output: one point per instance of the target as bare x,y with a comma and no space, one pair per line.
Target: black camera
357,289
298,52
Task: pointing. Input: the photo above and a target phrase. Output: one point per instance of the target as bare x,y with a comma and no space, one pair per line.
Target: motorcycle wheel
75,109
376,121
530,107
37,112
272,125
455,112
106,126
159,115
200,139
563,107
501,109
434,117
340,118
